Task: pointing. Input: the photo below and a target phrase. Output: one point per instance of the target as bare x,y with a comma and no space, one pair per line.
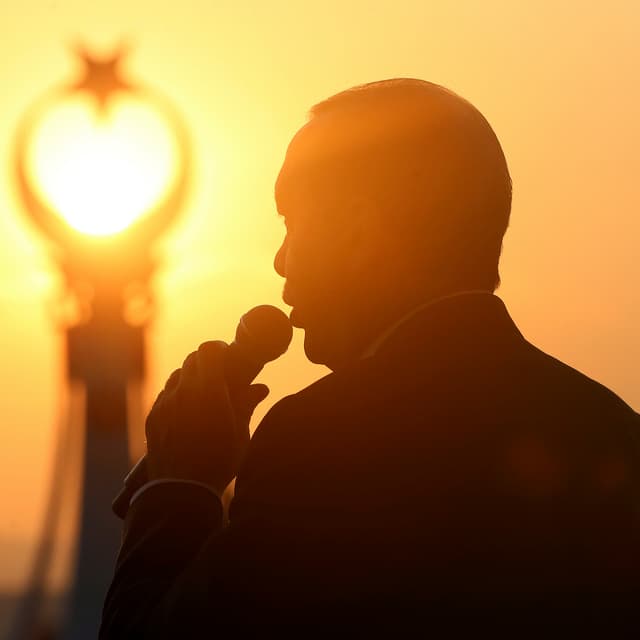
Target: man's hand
198,427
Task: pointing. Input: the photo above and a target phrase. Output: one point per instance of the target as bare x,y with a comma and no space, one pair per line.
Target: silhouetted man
446,472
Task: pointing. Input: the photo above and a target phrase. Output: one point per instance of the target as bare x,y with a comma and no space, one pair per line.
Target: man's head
393,193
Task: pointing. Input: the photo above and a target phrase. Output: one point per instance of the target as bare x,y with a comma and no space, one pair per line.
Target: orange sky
556,80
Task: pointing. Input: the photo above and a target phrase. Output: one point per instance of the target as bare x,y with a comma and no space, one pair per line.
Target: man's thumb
256,394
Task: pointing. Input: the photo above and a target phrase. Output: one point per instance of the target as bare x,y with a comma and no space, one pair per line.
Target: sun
101,158
102,173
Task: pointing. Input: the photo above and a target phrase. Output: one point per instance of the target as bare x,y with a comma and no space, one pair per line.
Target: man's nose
281,258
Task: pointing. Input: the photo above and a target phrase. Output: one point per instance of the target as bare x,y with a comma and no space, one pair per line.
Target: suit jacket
460,476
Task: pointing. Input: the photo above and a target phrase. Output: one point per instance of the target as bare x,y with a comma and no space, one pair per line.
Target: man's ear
364,238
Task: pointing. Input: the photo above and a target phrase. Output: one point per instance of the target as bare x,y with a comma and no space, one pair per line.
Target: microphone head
264,333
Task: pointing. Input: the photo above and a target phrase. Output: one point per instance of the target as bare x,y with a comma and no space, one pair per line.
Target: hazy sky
556,79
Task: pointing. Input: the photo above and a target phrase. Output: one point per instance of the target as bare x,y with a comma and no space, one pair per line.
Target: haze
558,82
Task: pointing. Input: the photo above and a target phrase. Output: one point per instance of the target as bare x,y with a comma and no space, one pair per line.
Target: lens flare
102,173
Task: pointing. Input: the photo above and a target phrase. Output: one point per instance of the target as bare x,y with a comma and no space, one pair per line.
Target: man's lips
294,315
286,295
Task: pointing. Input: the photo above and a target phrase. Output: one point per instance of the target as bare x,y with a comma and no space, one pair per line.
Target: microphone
263,334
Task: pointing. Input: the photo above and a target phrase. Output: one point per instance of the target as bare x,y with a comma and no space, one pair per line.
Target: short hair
432,159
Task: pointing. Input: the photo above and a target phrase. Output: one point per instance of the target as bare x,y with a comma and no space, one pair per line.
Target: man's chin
318,345
294,318
321,351
311,349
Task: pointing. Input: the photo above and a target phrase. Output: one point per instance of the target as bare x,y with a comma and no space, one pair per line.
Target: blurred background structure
556,81
89,188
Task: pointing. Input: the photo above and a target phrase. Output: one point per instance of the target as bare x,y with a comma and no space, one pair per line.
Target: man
445,472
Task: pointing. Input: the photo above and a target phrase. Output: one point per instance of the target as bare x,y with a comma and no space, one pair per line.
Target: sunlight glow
102,174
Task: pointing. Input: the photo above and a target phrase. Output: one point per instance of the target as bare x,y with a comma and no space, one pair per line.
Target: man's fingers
199,426
189,370
246,400
172,380
210,363
203,370
256,394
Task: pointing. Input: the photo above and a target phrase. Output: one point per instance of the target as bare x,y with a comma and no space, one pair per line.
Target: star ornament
102,77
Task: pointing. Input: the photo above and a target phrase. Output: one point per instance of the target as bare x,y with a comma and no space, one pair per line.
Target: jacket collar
387,333
463,321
